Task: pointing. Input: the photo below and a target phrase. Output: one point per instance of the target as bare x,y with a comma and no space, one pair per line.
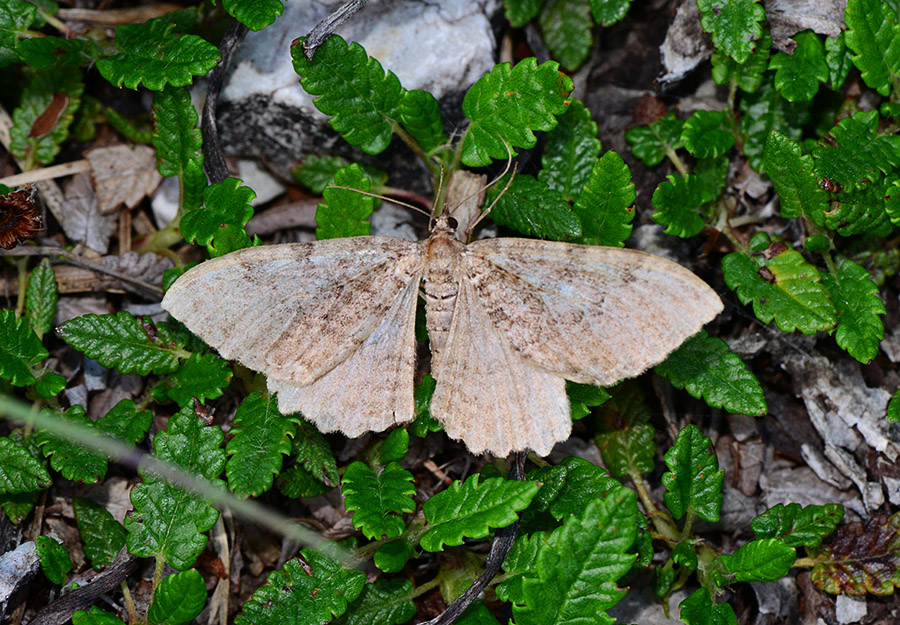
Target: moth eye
432,223
452,223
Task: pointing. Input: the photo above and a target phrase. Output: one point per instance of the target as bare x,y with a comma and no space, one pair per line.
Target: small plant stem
689,518
129,602
160,240
662,522
732,94
806,563
158,572
426,587
55,22
829,262
415,147
676,161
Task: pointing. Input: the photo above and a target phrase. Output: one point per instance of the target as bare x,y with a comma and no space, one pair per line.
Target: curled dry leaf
83,220
123,174
147,268
20,218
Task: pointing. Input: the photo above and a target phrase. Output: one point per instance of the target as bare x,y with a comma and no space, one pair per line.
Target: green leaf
785,288
71,459
101,535
178,599
734,25
705,136
42,119
313,453
605,205
506,106
531,207
861,210
678,201
20,348
344,212
874,36
219,225
630,449
699,609
608,12
566,27
55,560
20,471
201,377
854,154
392,557
765,111
518,565
837,58
362,100
317,172
394,448
583,397
422,394
520,12
377,500
47,53
747,75
795,183
798,526
254,14
297,483
477,614
421,116
763,560
261,435
312,589
385,602
154,54
653,143
167,521
121,341
694,478
50,384
41,298
15,18
126,422
567,488
855,297
471,509
578,565
893,409
705,367
95,617
799,75
570,152
178,144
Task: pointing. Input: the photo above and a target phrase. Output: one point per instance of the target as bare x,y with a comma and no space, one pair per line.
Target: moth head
444,223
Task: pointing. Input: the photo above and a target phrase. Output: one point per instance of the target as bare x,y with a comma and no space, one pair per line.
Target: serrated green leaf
46,53
391,557
583,397
219,225
705,136
765,111
705,367
578,565
422,394
785,288
630,449
747,75
798,75
608,12
121,341
678,201
531,207
18,507
201,377
49,384
385,602
71,459
344,212
519,564
95,617
394,448
20,471
859,211
15,18
854,154
520,12
605,205
893,408
378,500
41,298
55,560
421,116
837,58
313,452
506,106
763,560
126,422
178,144
167,521
101,535
796,526
694,478
362,99
570,152
795,183
312,589
566,27
155,54
855,297
254,14
261,435
471,509
699,609
297,483
42,119
735,25
567,488
873,34
19,349
653,143
178,599
317,172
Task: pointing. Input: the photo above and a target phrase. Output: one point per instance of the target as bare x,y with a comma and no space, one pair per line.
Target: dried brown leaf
83,220
123,174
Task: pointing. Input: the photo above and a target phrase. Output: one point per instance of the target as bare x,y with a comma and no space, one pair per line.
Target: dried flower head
20,218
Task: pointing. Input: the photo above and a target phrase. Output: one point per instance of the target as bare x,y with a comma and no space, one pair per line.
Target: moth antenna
382,197
509,164
438,192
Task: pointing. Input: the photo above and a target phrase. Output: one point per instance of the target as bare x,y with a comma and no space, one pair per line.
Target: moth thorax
442,255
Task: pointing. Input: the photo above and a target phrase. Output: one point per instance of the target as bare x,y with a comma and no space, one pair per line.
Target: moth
331,325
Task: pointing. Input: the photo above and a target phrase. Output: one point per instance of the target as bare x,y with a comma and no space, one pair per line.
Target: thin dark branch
326,27
500,548
213,155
